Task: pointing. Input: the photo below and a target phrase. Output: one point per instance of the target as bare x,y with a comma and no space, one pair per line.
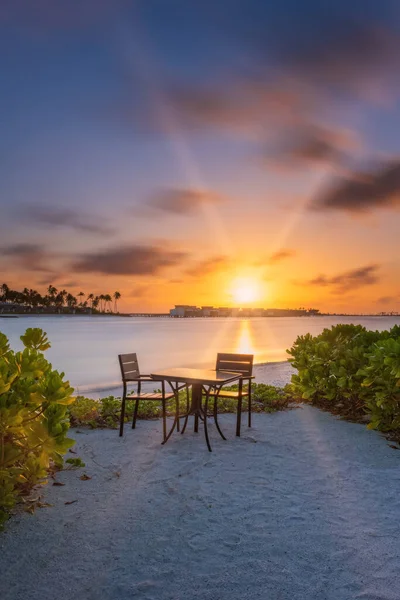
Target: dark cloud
241,105
311,145
380,187
293,72
349,280
346,51
32,257
182,201
280,255
129,260
66,217
69,284
208,266
291,69
389,300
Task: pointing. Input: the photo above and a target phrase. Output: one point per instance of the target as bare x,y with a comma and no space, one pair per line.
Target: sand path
302,507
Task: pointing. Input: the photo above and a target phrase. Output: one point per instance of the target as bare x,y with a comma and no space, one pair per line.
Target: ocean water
86,347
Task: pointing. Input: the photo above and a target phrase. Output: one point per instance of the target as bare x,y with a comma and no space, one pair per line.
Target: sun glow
245,290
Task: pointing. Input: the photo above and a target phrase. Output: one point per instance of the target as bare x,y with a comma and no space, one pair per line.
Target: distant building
208,311
183,310
189,311
224,311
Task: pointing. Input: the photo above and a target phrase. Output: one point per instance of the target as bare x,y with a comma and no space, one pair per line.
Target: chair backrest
238,363
129,367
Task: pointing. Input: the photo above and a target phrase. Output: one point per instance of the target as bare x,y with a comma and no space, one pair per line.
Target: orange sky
167,162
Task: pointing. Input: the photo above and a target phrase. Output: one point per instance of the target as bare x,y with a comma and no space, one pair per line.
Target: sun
245,290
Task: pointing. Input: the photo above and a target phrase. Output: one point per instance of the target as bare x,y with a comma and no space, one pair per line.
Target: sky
202,152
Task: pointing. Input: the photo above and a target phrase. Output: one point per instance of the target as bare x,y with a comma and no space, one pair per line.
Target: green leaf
36,339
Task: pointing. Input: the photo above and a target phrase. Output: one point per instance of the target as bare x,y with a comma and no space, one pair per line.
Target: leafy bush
33,417
105,412
264,398
353,367
328,365
382,382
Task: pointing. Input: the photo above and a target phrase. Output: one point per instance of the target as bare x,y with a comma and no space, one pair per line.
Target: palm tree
90,299
71,301
95,302
4,291
80,295
102,302
52,292
117,296
107,301
25,294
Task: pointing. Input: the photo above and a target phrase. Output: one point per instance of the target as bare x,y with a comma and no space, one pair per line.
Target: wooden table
202,382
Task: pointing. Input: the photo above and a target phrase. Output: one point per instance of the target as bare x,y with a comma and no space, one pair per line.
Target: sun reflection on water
245,343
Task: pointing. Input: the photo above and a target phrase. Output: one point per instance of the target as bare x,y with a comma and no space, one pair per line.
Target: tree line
60,300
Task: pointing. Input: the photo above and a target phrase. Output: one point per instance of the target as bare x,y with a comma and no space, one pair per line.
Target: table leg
205,420
195,407
176,419
197,410
187,410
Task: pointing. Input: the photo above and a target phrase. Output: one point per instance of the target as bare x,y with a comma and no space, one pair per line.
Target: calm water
86,348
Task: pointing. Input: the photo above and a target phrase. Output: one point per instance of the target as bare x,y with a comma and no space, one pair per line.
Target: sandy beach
302,507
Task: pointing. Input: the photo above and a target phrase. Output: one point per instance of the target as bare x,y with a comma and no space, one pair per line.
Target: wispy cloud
393,300
32,257
208,266
311,145
348,280
66,217
347,52
280,255
182,201
129,260
362,192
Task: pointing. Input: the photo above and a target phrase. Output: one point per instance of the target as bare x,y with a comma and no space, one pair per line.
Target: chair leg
187,410
122,417
205,424
164,418
239,416
135,414
249,415
178,427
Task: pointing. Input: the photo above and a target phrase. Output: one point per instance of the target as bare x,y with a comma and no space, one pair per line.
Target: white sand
302,507
278,373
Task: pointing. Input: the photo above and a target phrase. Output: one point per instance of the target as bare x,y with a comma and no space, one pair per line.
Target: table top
199,376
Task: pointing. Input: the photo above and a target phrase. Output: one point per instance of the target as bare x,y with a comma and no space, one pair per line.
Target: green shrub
382,384
353,367
33,417
264,398
105,412
329,364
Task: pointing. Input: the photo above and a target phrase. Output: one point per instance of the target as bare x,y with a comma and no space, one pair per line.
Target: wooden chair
238,363
130,373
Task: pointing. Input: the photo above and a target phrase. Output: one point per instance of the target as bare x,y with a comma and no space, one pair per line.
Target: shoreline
167,316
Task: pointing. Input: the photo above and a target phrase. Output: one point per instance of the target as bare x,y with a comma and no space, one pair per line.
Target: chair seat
228,394
149,396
